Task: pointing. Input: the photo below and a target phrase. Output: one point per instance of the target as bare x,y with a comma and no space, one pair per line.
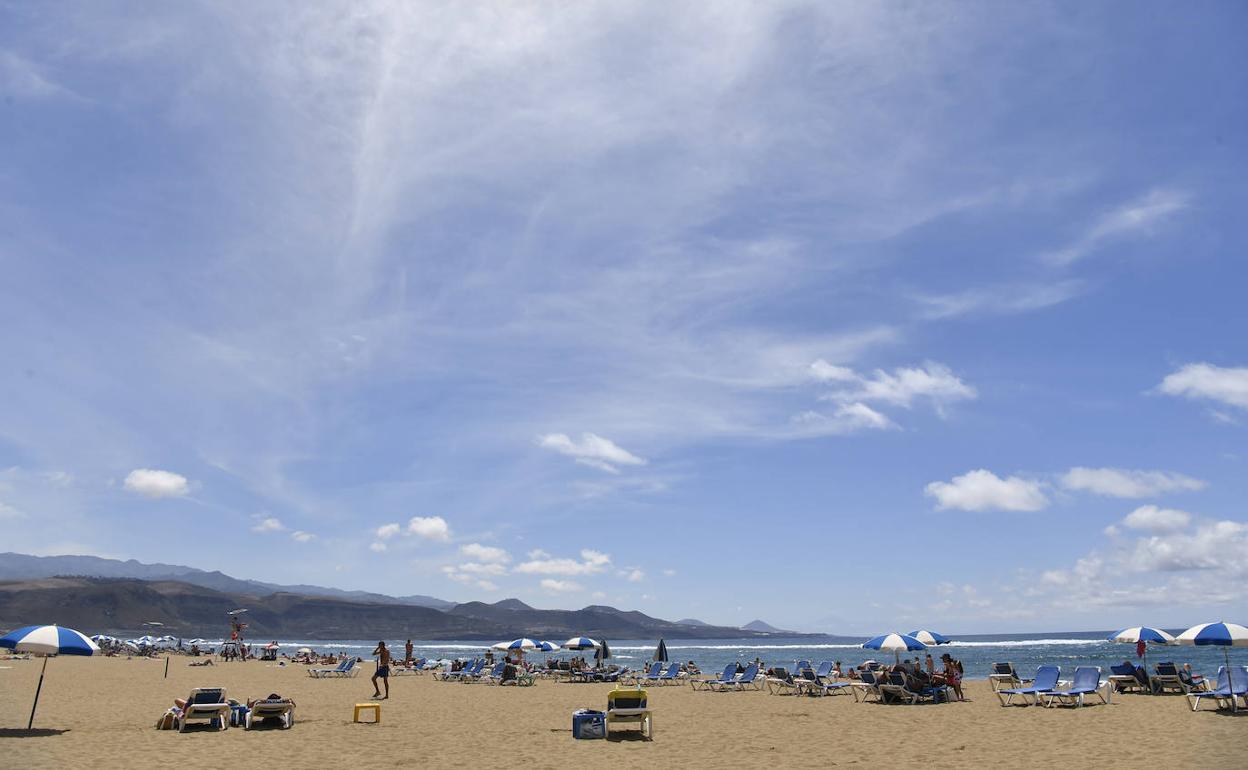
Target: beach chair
1227,688
1004,677
205,704
1087,681
630,706
898,689
472,669
649,675
747,681
866,686
1122,678
1046,680
493,676
782,683
274,708
728,675
322,673
1166,679
670,676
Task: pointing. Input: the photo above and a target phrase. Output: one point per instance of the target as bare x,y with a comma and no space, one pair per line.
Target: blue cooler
589,724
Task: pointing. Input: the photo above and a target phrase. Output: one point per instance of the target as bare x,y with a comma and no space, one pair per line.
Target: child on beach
383,670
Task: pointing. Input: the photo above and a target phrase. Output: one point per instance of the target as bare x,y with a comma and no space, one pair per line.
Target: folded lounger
205,704
1087,681
1226,690
1046,680
277,708
728,675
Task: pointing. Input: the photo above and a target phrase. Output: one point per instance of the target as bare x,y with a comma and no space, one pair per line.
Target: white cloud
22,78
485,553
269,525
1001,299
847,418
633,575
478,568
1220,545
599,594
9,512
901,387
1226,385
981,490
538,553
377,547
561,586
486,585
1118,482
592,562
1137,217
592,450
387,531
156,483
299,536
429,528
1152,518
669,573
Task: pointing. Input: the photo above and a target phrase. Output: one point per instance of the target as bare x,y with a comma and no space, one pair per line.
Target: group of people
919,673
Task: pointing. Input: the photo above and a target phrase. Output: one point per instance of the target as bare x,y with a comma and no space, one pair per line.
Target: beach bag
238,714
169,720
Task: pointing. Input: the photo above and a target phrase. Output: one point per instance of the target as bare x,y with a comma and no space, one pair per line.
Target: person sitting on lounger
953,674
1141,676
692,669
1192,681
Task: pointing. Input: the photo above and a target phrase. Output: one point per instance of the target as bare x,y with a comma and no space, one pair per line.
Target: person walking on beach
407,651
383,670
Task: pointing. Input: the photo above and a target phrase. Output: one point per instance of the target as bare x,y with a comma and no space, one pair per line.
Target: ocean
977,652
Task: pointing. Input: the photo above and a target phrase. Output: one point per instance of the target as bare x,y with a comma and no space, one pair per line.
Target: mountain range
129,598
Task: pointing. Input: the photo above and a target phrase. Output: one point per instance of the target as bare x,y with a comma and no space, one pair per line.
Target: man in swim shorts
383,670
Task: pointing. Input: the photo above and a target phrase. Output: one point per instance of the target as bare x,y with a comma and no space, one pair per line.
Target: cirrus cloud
1118,482
592,450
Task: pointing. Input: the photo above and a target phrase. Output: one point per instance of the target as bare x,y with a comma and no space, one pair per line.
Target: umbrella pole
40,687
1226,654
166,667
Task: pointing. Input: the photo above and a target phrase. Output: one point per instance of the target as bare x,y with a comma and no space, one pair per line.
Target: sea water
976,652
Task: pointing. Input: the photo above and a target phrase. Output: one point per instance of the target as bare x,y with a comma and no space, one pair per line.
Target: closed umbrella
603,653
1224,635
48,640
1141,637
660,653
896,643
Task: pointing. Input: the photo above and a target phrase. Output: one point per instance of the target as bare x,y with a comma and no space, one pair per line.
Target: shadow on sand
38,732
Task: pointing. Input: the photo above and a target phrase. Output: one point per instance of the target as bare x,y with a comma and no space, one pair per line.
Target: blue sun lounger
670,676
1087,681
1046,680
729,674
748,680
649,675
1228,688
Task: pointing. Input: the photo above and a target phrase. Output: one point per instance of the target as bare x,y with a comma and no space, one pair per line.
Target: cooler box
589,724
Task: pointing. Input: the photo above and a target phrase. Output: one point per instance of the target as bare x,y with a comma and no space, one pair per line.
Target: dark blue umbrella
660,653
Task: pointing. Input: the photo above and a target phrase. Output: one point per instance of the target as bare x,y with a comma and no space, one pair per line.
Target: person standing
407,652
383,670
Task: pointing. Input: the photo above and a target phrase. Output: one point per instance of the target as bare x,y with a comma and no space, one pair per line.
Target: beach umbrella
930,638
304,650
1224,635
660,652
1141,637
523,645
547,646
49,640
580,643
896,643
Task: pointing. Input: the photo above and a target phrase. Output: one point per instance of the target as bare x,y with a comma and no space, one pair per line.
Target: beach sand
100,713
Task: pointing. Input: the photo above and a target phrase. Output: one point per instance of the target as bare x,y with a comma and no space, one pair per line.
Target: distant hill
123,605
690,622
764,628
17,566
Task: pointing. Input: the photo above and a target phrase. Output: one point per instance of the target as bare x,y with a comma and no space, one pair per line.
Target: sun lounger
748,680
1166,678
649,675
1087,681
866,686
781,683
417,667
277,708
728,675
897,689
1004,677
1046,680
1122,678
493,676
341,668
1226,689
205,704
630,706
471,669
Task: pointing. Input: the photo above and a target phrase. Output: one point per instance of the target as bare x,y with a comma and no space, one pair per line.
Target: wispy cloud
1224,385
592,450
1120,482
1135,218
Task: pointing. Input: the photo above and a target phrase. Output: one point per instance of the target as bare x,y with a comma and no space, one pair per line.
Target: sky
853,317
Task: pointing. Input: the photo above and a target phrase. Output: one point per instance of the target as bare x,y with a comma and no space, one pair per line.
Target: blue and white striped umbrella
1139,634
1224,635
929,637
896,643
48,640
519,644
581,643
547,646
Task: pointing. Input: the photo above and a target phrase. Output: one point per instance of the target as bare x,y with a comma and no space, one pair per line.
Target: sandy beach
100,713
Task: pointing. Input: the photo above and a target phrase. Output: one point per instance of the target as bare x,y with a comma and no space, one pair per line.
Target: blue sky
853,317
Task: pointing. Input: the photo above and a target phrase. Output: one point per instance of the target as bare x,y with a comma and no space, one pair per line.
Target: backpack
169,719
